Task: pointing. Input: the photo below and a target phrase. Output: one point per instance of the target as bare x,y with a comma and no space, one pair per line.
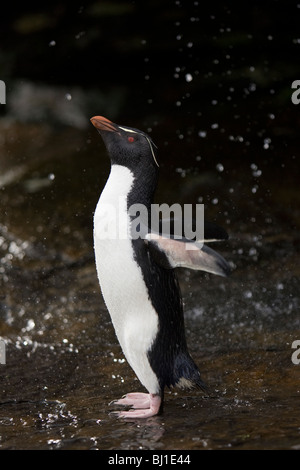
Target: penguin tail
186,373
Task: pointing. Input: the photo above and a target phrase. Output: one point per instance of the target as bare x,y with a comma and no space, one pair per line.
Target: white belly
121,281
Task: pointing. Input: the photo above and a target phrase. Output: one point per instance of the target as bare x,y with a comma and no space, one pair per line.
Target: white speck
178,103
248,294
30,325
51,176
280,286
215,201
267,142
54,441
68,96
252,251
271,116
254,189
181,171
52,43
251,68
215,125
188,77
219,167
80,34
202,134
189,44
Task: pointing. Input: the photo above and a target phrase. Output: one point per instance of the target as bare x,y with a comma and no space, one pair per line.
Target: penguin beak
103,124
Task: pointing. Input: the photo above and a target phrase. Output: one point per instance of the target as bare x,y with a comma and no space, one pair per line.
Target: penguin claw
144,405
135,400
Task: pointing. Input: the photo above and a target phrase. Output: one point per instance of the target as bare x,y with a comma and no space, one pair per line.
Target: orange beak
103,124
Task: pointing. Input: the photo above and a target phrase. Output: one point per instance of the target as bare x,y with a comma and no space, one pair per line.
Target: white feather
121,280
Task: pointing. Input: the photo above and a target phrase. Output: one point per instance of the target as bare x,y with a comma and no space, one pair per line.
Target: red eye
131,139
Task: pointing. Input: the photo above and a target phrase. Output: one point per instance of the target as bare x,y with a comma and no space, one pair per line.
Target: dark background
145,49
211,83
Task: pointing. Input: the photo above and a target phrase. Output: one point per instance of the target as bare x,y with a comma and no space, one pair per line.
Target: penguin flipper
172,253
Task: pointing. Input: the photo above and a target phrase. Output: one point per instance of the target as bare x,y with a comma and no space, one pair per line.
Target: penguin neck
135,187
143,189
143,186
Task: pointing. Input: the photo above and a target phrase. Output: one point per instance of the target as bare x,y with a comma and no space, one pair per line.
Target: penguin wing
173,253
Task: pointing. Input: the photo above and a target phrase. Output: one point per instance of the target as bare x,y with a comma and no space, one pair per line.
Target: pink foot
144,405
136,400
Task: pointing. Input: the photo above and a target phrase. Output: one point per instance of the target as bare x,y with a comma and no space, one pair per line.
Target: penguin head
126,146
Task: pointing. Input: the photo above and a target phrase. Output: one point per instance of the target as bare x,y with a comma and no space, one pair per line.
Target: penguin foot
136,400
144,405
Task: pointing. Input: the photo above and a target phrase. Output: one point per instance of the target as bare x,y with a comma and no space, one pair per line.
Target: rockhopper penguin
137,276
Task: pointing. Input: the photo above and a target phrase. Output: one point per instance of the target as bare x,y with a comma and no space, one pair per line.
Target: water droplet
80,34
202,134
252,251
30,325
188,77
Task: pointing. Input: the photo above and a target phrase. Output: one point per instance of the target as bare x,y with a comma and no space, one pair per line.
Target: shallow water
63,363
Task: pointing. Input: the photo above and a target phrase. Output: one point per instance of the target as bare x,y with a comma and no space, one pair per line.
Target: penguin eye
130,139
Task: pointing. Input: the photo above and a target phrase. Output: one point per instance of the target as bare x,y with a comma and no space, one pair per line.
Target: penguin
137,275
